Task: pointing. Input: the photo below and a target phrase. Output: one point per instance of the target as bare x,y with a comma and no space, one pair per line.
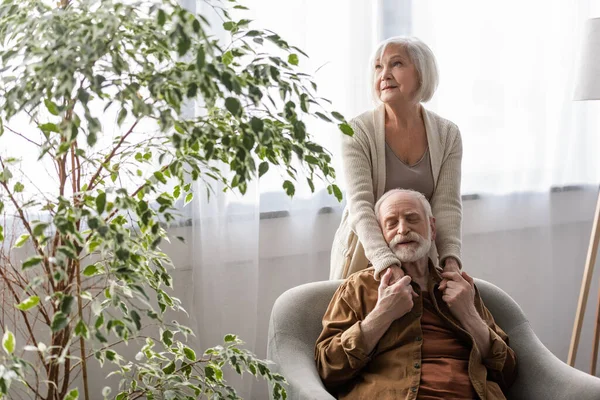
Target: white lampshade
587,86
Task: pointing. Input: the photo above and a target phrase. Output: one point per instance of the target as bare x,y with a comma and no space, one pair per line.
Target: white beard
412,252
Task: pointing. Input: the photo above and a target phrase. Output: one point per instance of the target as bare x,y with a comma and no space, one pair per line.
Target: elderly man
425,336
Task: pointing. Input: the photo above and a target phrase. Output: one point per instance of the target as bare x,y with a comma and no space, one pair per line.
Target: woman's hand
397,273
450,265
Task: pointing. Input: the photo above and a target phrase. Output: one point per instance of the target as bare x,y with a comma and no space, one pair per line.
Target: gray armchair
296,324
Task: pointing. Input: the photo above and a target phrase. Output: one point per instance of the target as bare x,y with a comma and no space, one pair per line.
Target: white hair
416,195
423,59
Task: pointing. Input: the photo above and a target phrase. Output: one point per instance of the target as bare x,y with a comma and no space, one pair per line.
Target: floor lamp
588,88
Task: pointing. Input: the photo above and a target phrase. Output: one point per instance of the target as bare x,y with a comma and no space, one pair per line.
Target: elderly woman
399,144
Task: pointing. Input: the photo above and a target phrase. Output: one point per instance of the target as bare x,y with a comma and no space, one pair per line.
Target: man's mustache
409,237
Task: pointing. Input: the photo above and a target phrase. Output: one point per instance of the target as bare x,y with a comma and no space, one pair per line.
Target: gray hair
421,56
416,195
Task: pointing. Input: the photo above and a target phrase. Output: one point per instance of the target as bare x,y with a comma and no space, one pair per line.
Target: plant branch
109,157
22,136
25,222
23,313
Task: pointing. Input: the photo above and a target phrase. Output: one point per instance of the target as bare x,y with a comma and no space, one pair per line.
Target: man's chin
406,258
411,255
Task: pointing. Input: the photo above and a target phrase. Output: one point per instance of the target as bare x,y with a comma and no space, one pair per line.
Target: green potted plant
96,90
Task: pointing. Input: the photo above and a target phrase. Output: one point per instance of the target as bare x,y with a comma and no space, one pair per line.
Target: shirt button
418,338
413,389
417,365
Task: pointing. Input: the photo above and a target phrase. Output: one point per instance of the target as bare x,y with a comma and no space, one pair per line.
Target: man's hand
395,299
459,293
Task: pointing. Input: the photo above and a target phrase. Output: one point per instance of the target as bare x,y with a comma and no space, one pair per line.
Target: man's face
406,228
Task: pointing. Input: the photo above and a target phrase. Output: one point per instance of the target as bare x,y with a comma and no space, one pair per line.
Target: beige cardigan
364,167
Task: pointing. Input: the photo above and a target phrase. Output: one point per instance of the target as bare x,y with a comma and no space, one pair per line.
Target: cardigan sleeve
361,199
446,203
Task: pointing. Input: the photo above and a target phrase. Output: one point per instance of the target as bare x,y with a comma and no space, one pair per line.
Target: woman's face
396,77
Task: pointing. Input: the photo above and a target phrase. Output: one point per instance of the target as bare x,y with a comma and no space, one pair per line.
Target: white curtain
507,71
507,77
247,250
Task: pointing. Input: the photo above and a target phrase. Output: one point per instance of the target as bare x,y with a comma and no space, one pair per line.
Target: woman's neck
403,116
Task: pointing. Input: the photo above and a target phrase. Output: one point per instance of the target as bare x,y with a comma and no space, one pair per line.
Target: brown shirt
402,366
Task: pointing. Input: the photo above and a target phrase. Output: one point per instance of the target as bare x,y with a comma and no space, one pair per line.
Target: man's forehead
402,204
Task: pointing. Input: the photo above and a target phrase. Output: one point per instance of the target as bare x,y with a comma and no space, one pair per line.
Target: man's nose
403,228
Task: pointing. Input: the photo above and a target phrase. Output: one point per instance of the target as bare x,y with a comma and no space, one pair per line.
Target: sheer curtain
507,73
247,250
507,77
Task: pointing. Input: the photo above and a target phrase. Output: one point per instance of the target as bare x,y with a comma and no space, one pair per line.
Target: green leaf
234,106
188,198
200,58
21,240
8,342
229,25
91,270
28,303
38,229
51,106
338,116
289,188
183,45
81,329
263,168
100,202
346,129
31,262
322,116
59,322
229,338
162,17
99,321
167,338
160,177
49,127
311,184
293,59
169,368
122,116
18,188
257,124
337,192
66,304
189,354
136,319
227,58
311,159
72,395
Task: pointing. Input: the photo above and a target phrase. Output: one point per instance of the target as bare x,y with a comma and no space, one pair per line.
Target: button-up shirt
393,369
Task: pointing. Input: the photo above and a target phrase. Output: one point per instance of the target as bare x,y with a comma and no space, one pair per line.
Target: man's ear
433,230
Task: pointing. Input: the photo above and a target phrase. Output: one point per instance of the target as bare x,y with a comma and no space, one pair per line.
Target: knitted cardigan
358,239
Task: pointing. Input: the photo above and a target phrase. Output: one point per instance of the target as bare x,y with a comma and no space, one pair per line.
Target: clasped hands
396,295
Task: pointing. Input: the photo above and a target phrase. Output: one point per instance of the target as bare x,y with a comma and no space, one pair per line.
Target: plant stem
81,340
109,157
76,173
